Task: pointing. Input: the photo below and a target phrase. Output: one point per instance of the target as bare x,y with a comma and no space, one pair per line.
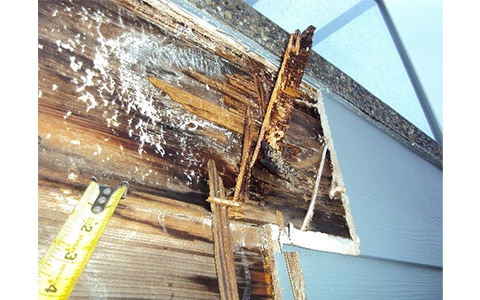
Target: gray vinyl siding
395,194
396,203
338,277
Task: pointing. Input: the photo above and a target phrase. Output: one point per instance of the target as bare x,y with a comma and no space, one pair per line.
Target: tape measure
67,256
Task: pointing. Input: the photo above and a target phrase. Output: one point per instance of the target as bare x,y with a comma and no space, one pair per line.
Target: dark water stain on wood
99,115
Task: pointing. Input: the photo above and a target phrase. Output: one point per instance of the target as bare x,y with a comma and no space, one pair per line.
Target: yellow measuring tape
67,256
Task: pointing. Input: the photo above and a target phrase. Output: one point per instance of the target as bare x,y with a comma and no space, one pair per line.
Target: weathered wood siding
100,114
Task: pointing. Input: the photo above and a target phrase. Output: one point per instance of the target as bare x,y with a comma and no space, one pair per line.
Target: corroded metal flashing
252,24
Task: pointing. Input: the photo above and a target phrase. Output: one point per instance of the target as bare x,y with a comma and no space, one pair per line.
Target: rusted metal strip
295,275
222,237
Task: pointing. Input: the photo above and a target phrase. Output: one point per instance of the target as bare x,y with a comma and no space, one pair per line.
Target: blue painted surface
352,35
395,197
335,276
395,194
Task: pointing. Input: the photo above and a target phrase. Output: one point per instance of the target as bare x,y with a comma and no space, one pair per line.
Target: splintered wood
241,187
200,107
139,91
260,106
276,119
222,237
277,115
295,275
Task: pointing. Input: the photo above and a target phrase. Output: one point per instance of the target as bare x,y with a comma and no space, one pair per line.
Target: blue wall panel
335,276
395,195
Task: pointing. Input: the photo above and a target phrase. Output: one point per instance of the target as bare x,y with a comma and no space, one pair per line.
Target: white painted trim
320,241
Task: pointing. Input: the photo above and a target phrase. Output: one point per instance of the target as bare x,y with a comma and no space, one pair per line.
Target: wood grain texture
100,115
295,275
222,237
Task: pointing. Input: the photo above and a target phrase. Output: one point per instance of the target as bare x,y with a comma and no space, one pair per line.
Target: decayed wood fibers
99,115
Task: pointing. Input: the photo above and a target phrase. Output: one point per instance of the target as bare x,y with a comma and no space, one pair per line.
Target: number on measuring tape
62,264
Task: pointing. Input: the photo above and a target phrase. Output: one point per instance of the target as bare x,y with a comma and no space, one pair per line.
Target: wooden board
99,114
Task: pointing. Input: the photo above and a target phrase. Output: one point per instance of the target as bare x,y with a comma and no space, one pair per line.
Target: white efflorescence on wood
116,85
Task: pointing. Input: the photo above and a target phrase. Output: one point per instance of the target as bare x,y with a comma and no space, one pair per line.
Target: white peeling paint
113,120
64,203
87,79
83,14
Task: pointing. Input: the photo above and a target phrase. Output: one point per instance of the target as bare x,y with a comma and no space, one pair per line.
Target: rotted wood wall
139,91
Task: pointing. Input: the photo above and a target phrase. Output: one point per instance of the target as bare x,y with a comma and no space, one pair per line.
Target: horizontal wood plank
99,114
